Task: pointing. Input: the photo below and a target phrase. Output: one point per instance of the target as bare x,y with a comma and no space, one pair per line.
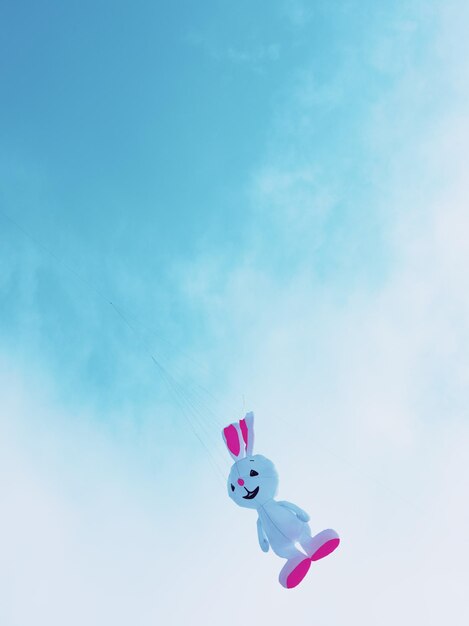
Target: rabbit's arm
300,514
263,541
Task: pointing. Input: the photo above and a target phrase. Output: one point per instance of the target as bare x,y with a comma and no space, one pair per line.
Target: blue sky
133,140
274,194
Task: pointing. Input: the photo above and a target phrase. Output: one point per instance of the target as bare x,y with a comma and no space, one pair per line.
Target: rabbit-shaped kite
252,484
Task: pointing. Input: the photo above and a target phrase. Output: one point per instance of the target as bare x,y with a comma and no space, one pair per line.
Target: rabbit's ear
247,430
233,440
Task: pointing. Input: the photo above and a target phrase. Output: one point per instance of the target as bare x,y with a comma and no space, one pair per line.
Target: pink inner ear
244,431
232,439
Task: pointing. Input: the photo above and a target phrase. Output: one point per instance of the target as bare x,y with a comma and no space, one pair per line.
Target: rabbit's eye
253,473
232,487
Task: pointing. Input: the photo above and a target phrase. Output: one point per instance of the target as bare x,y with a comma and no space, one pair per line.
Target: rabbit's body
281,526
252,484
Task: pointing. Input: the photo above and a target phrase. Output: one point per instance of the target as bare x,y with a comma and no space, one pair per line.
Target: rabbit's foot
322,544
294,571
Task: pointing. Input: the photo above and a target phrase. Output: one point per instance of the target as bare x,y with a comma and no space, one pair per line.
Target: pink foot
294,571
323,544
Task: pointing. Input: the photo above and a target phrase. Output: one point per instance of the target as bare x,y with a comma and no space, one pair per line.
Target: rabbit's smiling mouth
251,494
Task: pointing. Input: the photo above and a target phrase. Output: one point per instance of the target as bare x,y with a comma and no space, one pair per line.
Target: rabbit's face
252,481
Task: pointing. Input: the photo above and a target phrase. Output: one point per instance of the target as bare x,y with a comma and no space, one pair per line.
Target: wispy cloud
254,55
368,383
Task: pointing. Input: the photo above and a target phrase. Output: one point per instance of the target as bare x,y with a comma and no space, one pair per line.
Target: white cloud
362,392
255,56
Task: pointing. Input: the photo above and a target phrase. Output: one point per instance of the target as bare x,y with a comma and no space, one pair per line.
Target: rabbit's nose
240,482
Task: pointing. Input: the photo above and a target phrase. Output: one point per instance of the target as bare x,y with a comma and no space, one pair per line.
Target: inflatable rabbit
252,484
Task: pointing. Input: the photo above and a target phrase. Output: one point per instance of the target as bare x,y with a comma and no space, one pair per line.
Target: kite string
170,382
182,394
153,332
175,388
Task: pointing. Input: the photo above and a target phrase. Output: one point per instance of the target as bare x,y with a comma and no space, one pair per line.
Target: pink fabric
232,439
297,575
325,549
244,431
